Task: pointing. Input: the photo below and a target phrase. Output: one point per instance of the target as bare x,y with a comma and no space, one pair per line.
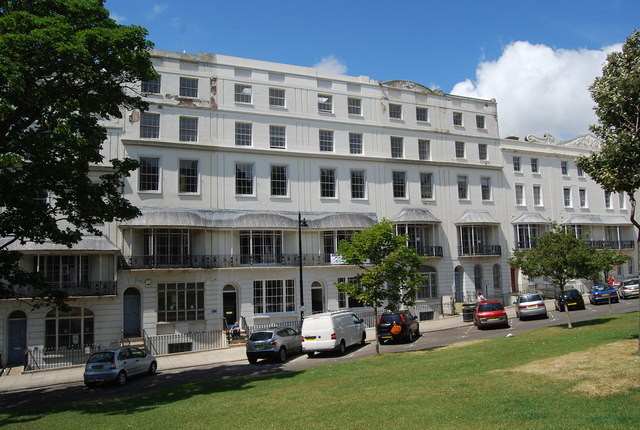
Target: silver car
117,365
530,305
276,343
628,288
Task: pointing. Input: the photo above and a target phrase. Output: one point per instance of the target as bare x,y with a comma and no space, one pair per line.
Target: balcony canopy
476,218
236,219
530,218
86,244
416,216
587,219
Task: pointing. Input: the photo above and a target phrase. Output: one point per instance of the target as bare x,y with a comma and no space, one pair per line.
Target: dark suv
572,299
397,325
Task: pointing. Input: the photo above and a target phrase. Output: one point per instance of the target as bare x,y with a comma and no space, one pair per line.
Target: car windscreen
631,282
390,319
530,298
488,307
600,288
261,335
101,357
572,293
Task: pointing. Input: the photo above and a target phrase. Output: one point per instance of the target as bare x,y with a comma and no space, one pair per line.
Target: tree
561,256
617,97
64,67
390,270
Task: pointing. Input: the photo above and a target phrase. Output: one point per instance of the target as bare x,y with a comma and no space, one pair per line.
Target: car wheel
417,333
342,348
381,341
364,338
252,360
121,379
310,354
153,368
282,355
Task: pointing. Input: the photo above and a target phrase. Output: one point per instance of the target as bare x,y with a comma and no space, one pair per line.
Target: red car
490,313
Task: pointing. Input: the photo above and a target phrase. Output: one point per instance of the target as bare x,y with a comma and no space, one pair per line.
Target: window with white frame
608,204
63,271
327,183
358,184
537,195
242,93
631,266
457,119
149,125
149,174
355,143
326,140
622,200
188,87
582,195
151,86
480,122
344,301
167,246
71,329
422,114
277,136
279,181
485,188
188,176
331,240
180,301
580,172
535,166
482,151
424,149
244,179
526,235
354,106
395,111
516,164
426,186
462,188
188,129
273,296
564,168
459,149
244,132
519,190
325,103
399,185
566,197
260,247
397,150
429,289
276,97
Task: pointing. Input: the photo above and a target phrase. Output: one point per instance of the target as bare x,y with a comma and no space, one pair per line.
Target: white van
332,331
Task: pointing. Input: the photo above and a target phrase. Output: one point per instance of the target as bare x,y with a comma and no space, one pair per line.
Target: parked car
332,331
530,305
278,342
571,298
603,293
490,313
118,365
629,288
397,325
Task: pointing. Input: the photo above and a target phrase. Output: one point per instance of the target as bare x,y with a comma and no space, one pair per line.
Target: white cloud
157,9
117,18
539,89
331,64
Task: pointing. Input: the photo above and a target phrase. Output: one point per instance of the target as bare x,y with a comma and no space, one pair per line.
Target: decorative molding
546,139
410,85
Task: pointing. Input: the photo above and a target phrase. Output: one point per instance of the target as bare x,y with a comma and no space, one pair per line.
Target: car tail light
380,319
113,364
302,338
522,307
396,329
274,342
402,318
333,336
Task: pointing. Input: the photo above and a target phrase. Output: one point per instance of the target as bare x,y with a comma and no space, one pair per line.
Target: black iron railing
611,244
220,261
73,289
479,250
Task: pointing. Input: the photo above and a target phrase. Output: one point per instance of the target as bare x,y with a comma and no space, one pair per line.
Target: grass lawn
587,378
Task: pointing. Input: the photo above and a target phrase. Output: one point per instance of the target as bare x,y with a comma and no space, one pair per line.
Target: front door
317,298
131,313
229,304
17,337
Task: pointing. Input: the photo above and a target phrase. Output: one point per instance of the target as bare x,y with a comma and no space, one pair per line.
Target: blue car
603,293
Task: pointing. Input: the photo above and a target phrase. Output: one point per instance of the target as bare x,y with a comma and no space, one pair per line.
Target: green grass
442,388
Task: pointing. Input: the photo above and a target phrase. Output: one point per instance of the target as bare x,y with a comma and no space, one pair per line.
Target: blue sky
536,58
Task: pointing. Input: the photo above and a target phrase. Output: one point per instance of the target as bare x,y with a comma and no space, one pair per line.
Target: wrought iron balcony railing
219,261
477,250
611,244
73,289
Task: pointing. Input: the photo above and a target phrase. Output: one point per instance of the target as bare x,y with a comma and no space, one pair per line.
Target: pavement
15,379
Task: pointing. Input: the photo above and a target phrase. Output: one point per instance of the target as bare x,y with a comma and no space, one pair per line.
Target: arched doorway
458,275
131,313
478,279
317,298
17,336
230,304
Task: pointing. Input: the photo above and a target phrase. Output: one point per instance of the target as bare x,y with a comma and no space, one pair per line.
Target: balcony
479,250
220,261
429,251
74,289
611,244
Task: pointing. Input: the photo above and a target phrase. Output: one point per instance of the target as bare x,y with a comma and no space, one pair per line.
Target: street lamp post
301,223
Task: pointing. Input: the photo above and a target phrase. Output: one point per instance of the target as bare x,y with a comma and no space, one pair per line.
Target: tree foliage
64,66
617,97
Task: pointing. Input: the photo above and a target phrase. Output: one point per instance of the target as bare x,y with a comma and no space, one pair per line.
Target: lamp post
301,223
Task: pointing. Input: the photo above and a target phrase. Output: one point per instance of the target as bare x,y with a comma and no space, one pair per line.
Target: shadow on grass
140,394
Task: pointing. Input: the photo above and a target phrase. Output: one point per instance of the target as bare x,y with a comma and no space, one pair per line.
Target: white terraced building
243,161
